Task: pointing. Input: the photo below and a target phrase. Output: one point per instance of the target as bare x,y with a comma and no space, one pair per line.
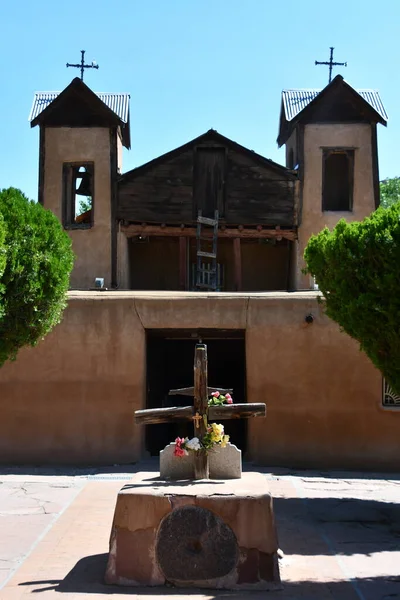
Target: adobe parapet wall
115,294
72,398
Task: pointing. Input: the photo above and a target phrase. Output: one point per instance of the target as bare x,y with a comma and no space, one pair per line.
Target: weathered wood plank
253,217
209,180
237,411
163,415
185,413
183,263
189,391
237,261
240,161
206,221
200,408
190,232
164,190
244,190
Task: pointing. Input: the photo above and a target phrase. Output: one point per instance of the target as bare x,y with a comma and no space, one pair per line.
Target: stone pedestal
208,534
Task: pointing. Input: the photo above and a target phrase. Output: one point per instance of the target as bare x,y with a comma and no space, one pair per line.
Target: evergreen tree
36,260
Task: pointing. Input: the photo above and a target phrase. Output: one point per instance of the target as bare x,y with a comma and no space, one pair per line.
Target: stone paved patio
339,532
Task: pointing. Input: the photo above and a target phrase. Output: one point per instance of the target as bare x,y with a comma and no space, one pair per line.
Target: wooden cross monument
200,413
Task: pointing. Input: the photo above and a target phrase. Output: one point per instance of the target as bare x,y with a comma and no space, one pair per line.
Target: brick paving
339,532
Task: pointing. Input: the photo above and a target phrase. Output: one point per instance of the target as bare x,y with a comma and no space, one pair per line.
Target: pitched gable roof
110,108
211,136
298,105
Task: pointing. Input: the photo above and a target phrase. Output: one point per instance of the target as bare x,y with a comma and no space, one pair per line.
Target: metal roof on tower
118,103
294,101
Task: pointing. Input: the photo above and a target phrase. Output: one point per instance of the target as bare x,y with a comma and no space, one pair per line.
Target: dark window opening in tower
337,180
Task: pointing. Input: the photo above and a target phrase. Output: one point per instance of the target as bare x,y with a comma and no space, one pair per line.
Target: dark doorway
170,358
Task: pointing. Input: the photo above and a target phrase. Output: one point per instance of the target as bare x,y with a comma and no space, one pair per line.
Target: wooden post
200,409
237,259
183,254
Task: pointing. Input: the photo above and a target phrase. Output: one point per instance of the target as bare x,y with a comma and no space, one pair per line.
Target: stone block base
225,463
208,534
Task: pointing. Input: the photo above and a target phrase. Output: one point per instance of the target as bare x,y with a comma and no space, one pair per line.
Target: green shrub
357,268
35,264
389,191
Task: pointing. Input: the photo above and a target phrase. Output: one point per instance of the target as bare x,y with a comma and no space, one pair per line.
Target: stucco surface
91,246
317,137
123,275
72,398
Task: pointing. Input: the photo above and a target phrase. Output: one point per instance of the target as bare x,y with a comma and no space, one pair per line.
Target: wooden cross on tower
82,65
331,63
200,413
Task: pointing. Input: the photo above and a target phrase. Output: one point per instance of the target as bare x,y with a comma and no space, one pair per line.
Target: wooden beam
200,409
163,415
190,232
237,261
183,262
185,413
189,391
237,411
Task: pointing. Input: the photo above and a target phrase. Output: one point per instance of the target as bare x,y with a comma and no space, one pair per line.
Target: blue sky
190,65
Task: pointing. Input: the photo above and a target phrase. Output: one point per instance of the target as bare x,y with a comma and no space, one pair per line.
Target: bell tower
80,157
331,140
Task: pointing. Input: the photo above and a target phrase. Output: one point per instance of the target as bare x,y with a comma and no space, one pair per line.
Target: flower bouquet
217,399
215,436
215,433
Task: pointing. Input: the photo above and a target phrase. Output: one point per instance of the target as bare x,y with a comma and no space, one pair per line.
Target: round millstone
193,544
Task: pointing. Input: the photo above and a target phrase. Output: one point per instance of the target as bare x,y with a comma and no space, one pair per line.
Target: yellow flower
224,441
215,433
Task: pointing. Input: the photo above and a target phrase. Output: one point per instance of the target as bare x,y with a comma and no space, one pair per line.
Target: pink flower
179,451
229,400
215,394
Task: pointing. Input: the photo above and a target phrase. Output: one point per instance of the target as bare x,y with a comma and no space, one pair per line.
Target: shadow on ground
87,578
322,473
345,526
152,464
73,471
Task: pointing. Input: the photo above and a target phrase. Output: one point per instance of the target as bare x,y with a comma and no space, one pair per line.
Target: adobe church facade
140,232
205,242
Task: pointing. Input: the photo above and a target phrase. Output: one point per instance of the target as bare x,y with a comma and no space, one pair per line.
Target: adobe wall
357,136
92,247
71,399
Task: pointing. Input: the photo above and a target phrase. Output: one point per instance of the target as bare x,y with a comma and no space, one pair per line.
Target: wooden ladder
206,276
